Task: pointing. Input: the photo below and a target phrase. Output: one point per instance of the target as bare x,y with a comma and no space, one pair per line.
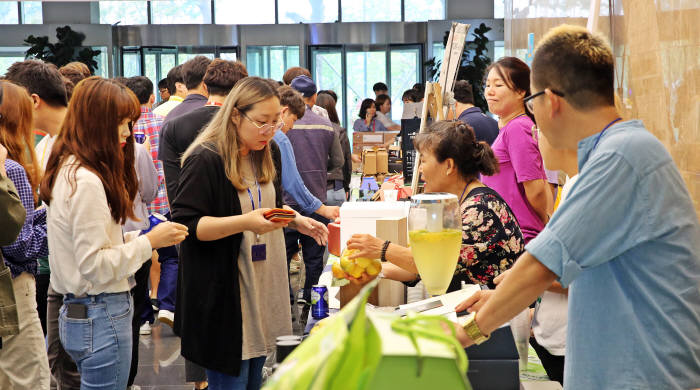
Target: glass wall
102,62
422,10
307,11
271,61
131,63
244,12
370,11
351,73
31,12
9,13
181,12
10,55
124,12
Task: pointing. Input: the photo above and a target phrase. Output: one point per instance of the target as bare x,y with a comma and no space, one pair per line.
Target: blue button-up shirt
627,241
292,183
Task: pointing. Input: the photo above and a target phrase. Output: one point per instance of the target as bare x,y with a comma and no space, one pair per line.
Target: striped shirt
150,124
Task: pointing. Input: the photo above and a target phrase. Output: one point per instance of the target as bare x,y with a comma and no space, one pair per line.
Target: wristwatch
474,332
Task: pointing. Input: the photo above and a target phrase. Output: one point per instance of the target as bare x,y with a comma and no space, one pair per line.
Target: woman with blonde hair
89,187
232,293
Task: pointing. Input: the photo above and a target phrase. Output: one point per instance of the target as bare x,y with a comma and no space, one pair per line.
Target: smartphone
76,311
279,215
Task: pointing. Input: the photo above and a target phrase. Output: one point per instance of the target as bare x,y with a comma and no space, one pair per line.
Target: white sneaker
145,329
167,317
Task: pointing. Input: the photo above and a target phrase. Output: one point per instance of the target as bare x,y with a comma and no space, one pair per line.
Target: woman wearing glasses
233,297
521,180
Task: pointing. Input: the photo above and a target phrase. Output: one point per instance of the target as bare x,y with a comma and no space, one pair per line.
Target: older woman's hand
367,246
362,280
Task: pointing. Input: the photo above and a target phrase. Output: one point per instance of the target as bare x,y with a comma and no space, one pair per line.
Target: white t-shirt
550,320
386,121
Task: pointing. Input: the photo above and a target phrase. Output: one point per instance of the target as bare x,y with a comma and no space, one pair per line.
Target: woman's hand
258,224
362,280
368,118
166,234
312,228
368,246
498,279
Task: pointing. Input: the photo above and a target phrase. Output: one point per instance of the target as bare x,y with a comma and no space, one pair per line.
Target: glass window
271,61
229,56
422,10
499,9
132,64
10,55
124,12
327,71
405,71
184,57
32,12
244,12
307,11
438,50
371,11
102,62
498,50
8,12
181,12
364,68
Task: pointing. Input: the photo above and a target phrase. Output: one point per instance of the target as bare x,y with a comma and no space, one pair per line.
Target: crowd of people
87,162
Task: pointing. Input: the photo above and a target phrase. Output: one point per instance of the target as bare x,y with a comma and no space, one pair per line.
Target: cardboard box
369,162
361,217
391,292
382,161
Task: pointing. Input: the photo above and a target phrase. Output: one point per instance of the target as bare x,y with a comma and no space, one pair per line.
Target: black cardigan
208,307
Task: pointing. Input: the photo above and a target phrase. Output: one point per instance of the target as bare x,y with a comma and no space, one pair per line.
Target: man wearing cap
318,148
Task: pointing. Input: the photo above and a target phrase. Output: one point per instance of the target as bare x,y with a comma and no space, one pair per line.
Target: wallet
279,215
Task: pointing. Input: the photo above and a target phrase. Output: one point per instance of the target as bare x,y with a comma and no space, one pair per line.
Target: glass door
327,69
271,61
405,70
364,69
157,63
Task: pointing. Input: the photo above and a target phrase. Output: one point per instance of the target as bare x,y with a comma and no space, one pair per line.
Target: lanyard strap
603,131
463,191
250,195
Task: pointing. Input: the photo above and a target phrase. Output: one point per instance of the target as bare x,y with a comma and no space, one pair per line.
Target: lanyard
603,131
463,191
250,195
213,104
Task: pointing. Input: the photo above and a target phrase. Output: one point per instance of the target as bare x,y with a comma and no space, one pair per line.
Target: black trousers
141,302
553,364
42,289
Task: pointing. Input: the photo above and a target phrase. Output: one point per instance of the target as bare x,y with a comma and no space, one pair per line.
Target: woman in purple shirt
521,180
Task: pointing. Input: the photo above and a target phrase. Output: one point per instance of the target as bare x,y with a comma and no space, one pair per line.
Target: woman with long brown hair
89,187
27,347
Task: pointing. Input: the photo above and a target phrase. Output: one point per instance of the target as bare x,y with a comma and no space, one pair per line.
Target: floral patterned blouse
491,239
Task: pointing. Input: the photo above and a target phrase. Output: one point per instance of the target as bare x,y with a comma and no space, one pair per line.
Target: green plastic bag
357,349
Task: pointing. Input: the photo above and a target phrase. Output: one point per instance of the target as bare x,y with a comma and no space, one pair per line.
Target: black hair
329,92
515,74
326,101
380,87
364,106
141,86
193,71
174,76
419,90
409,94
456,140
381,99
163,83
463,92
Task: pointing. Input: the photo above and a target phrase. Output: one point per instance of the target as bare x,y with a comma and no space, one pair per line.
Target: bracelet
384,248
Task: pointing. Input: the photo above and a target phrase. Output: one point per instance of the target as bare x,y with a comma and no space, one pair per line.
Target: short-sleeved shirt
627,241
519,161
485,128
491,239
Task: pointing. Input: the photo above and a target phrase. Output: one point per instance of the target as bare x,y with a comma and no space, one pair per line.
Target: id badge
258,252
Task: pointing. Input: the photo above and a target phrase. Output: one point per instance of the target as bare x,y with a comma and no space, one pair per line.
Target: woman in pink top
521,181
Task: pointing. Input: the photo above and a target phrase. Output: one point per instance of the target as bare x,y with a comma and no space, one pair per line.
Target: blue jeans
167,288
312,253
250,377
335,197
100,344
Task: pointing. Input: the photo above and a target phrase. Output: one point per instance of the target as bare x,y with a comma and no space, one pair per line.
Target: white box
361,217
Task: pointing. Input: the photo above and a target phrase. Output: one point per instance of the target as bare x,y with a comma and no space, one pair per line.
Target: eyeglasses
530,104
263,127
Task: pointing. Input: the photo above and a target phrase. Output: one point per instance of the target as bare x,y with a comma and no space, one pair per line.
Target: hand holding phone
279,215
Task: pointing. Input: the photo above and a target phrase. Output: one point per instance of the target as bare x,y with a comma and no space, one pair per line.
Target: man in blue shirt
626,242
485,128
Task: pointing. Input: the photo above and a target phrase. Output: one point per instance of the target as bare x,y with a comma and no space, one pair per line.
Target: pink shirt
519,161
